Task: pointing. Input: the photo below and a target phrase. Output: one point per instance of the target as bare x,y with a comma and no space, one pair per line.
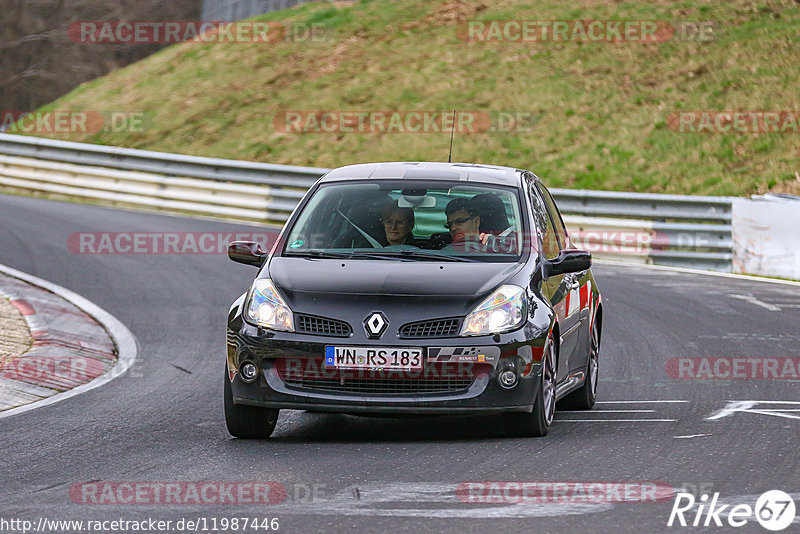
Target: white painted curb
127,347
696,271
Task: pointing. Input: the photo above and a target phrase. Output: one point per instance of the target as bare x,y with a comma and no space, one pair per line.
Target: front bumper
459,375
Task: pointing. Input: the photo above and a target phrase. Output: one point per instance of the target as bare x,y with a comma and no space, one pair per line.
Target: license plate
373,358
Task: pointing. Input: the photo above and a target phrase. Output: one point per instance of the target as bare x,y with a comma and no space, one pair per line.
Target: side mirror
569,261
247,252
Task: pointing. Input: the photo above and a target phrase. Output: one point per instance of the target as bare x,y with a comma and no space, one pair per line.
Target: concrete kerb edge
127,347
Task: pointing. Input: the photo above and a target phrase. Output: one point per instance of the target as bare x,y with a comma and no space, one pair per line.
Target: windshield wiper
314,253
419,254
326,254
378,254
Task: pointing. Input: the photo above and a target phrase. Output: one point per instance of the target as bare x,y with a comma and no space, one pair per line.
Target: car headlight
266,307
502,311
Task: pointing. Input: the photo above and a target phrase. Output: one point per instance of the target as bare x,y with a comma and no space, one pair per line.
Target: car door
554,288
566,289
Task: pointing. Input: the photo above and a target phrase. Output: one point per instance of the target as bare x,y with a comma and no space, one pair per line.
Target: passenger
398,223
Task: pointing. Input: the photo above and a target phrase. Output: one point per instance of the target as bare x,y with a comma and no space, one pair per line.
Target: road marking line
774,414
616,420
769,401
427,500
746,406
752,336
638,401
731,408
753,300
691,436
619,411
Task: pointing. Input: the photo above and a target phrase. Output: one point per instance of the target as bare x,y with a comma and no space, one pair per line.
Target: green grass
601,109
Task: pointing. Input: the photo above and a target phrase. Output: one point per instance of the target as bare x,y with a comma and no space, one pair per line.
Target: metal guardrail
649,228
102,184
242,9
226,170
644,205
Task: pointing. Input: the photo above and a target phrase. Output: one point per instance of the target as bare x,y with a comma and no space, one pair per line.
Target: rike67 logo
774,510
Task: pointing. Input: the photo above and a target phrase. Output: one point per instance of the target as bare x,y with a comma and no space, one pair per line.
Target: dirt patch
15,339
789,187
329,64
454,12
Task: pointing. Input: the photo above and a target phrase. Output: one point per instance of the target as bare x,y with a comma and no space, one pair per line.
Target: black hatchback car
416,288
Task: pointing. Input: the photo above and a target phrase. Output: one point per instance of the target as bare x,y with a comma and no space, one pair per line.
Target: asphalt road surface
164,423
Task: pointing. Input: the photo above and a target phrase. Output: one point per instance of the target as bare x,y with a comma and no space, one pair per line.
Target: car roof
426,170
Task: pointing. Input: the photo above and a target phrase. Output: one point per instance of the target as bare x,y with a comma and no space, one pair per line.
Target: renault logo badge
375,324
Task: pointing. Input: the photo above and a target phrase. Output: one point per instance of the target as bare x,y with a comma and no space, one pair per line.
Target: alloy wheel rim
593,361
549,385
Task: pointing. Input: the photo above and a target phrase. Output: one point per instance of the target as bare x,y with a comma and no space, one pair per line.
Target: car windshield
410,221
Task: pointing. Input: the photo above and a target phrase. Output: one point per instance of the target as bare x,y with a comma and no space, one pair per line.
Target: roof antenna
452,130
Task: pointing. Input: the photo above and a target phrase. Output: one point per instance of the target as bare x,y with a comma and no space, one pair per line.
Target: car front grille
382,386
435,328
321,326
311,374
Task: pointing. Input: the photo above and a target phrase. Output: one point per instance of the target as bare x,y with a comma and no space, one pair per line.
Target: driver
464,222
398,223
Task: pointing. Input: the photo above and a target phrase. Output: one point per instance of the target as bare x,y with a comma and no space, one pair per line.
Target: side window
554,215
549,238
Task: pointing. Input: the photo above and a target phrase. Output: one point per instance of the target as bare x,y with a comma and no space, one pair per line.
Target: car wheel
585,397
537,423
247,422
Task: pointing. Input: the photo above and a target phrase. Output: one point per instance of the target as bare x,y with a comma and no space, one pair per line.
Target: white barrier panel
766,236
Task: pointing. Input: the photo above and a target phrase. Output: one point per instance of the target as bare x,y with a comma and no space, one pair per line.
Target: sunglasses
457,222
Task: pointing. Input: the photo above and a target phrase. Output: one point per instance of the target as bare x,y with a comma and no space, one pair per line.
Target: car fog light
249,371
507,379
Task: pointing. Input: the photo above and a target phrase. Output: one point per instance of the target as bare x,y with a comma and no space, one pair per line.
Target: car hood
390,278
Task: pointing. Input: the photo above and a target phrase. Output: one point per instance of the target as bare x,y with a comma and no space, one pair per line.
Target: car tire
537,423
247,422
585,397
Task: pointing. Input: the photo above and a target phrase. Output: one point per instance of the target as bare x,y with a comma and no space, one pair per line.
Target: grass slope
601,109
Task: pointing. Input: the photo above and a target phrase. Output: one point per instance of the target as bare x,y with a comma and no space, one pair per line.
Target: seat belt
372,241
